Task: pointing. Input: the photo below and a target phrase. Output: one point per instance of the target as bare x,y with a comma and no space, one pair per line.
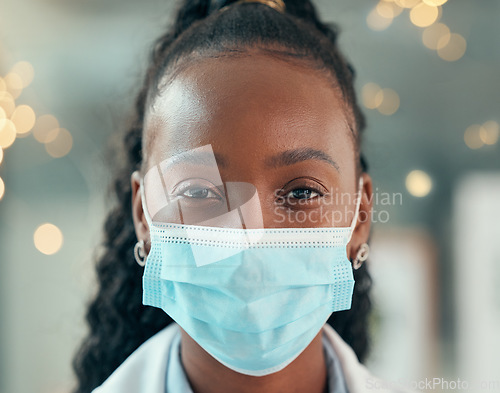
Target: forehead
255,101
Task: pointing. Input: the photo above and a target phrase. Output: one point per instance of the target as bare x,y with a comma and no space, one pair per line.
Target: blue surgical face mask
254,299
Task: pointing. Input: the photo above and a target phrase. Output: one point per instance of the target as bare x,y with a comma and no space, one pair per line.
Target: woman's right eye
199,193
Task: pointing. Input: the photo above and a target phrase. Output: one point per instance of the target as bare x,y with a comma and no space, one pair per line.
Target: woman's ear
140,223
361,231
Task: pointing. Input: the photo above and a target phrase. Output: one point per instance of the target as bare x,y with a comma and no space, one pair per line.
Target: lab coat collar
145,369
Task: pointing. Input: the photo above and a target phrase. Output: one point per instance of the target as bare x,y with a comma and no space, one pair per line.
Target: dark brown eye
197,190
199,193
303,193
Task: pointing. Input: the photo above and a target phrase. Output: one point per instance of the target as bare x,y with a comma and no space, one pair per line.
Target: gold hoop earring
361,256
139,253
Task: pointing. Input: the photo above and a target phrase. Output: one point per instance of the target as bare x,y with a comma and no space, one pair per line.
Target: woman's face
279,139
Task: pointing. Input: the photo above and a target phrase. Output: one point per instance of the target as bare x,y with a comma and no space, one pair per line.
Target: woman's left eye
303,193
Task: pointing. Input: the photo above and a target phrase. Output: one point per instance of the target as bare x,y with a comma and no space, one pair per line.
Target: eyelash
312,189
283,197
182,192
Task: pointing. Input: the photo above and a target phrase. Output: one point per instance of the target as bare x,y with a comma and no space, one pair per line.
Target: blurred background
428,76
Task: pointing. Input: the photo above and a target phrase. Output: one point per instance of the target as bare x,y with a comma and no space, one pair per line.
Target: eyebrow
294,156
205,158
287,157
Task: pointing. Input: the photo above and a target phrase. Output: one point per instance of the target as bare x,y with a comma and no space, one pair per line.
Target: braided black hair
118,321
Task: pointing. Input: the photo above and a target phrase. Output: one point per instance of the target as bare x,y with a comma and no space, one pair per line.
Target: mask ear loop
144,207
356,213
139,251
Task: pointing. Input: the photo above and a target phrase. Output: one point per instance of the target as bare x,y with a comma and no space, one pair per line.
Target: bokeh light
423,15
1,155
59,142
43,126
489,132
386,101
454,49
407,3
48,239
472,137
25,71
7,103
377,22
435,2
436,36
7,133
389,101
14,84
388,9
23,118
3,86
2,188
418,183
369,95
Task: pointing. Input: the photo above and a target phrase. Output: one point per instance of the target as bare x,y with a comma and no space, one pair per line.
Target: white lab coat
144,370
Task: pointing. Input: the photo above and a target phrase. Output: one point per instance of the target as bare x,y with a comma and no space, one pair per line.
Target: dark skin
250,109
